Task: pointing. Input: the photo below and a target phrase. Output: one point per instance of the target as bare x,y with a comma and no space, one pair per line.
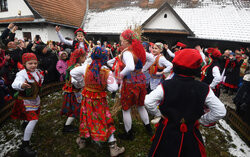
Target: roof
218,22
166,5
66,12
115,21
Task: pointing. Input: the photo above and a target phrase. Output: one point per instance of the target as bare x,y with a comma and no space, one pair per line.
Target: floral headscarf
99,57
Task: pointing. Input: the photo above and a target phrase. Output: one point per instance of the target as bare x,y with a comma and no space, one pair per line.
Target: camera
37,37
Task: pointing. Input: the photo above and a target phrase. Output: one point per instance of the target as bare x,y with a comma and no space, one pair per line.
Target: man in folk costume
211,71
27,107
133,91
72,95
95,117
183,99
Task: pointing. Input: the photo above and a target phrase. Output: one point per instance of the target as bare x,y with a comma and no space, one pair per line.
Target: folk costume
27,104
232,73
178,133
133,90
211,71
161,64
72,95
75,43
95,117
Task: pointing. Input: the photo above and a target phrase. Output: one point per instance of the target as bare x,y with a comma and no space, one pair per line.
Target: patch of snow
236,140
12,144
115,21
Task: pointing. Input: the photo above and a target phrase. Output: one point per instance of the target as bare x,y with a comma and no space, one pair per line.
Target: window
151,1
3,5
27,36
165,15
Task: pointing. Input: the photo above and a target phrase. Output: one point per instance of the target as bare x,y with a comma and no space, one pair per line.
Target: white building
37,17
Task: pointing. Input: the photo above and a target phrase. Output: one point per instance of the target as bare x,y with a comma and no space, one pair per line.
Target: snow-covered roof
218,22
208,20
115,21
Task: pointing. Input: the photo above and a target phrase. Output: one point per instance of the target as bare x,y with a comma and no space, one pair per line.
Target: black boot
127,135
26,151
69,129
149,129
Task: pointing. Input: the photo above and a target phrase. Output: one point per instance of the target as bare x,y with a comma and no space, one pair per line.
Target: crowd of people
158,79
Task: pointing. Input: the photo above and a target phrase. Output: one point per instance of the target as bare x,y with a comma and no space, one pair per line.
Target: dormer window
3,5
151,1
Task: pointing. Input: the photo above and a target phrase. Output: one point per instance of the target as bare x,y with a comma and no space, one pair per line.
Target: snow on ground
9,140
241,149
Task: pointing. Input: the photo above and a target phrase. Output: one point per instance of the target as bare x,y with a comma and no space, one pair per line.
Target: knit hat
28,56
187,59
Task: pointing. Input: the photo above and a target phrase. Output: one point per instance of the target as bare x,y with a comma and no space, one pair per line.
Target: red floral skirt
133,93
19,112
95,119
70,107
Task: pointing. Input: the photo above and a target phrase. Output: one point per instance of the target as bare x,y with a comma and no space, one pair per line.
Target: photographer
8,35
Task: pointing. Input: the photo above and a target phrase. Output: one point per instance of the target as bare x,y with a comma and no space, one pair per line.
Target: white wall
13,7
159,22
46,32
66,32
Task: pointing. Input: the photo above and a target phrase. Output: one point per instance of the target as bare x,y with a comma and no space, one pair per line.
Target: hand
7,57
58,28
159,73
11,25
166,46
198,47
46,71
14,29
25,85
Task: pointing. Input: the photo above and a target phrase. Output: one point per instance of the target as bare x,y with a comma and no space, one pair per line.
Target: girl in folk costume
211,71
178,133
27,107
232,73
79,43
133,90
160,67
157,70
95,118
72,94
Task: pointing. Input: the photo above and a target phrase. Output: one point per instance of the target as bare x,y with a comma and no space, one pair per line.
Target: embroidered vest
155,67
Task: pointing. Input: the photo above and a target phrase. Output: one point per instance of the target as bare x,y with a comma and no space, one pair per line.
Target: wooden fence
5,112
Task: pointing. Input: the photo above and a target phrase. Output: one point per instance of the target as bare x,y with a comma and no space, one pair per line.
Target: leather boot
26,150
149,129
115,150
127,135
69,129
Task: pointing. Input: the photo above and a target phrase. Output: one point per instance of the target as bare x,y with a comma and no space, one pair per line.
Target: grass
49,140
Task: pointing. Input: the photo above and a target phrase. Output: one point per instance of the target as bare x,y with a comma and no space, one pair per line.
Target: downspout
85,15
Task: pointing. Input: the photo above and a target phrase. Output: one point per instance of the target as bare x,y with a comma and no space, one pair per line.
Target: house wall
46,31
169,23
13,7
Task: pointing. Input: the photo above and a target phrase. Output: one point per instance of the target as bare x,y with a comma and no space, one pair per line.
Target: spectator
61,65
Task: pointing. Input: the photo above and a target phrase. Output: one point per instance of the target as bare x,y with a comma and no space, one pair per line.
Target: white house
38,17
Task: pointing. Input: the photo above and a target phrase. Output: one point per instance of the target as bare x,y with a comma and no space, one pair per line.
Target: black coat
48,62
